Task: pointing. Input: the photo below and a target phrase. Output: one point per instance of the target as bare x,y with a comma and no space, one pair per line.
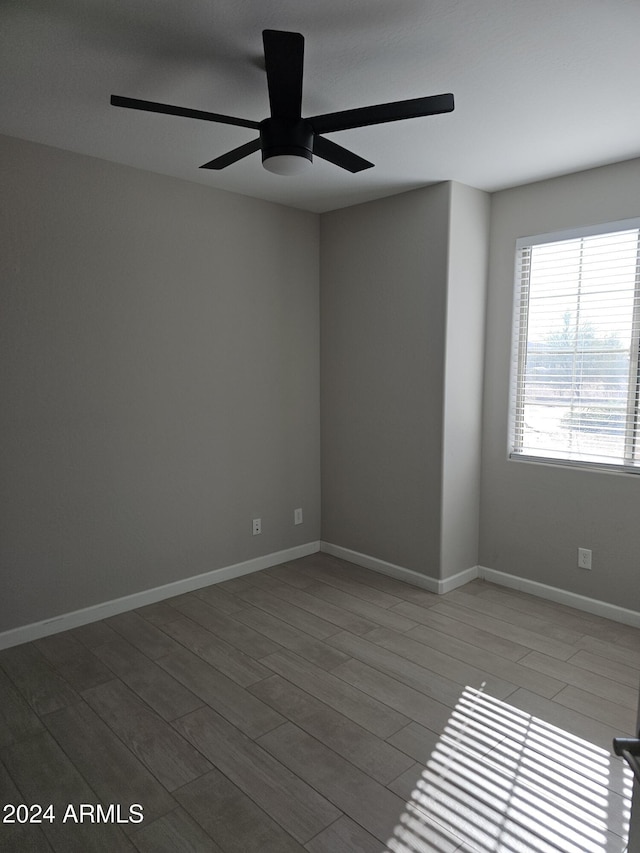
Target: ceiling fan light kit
288,141
286,164
287,145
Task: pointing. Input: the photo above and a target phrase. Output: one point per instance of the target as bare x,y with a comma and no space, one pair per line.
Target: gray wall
161,385
403,288
534,517
159,382
464,362
383,302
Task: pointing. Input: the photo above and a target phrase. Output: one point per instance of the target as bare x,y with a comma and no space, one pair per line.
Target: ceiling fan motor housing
279,136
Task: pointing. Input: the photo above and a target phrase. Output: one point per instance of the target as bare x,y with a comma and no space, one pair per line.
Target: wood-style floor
321,707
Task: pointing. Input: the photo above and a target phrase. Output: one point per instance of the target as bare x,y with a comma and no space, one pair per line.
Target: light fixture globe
287,145
287,164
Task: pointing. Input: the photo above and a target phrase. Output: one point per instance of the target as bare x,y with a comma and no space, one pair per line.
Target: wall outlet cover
584,558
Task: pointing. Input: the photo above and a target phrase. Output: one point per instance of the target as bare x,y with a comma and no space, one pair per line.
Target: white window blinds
575,371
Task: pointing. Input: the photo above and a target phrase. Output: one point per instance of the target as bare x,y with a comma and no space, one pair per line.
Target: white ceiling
542,87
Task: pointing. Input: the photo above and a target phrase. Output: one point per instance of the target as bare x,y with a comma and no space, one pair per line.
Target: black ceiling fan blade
339,156
168,109
233,156
396,111
284,62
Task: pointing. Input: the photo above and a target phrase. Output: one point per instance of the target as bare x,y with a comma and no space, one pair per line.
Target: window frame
518,357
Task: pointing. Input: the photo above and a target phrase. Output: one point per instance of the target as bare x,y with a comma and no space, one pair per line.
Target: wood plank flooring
321,707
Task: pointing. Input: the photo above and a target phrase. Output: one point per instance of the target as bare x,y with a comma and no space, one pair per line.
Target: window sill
580,464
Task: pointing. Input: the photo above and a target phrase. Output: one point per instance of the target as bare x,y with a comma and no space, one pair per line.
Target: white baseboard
459,579
562,596
76,618
399,572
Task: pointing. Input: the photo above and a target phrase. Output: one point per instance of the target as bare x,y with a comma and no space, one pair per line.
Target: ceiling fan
288,141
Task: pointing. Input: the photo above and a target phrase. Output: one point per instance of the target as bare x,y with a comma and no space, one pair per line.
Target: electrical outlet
584,558
297,516
257,526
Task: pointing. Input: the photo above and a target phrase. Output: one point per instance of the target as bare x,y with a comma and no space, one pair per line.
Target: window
575,371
